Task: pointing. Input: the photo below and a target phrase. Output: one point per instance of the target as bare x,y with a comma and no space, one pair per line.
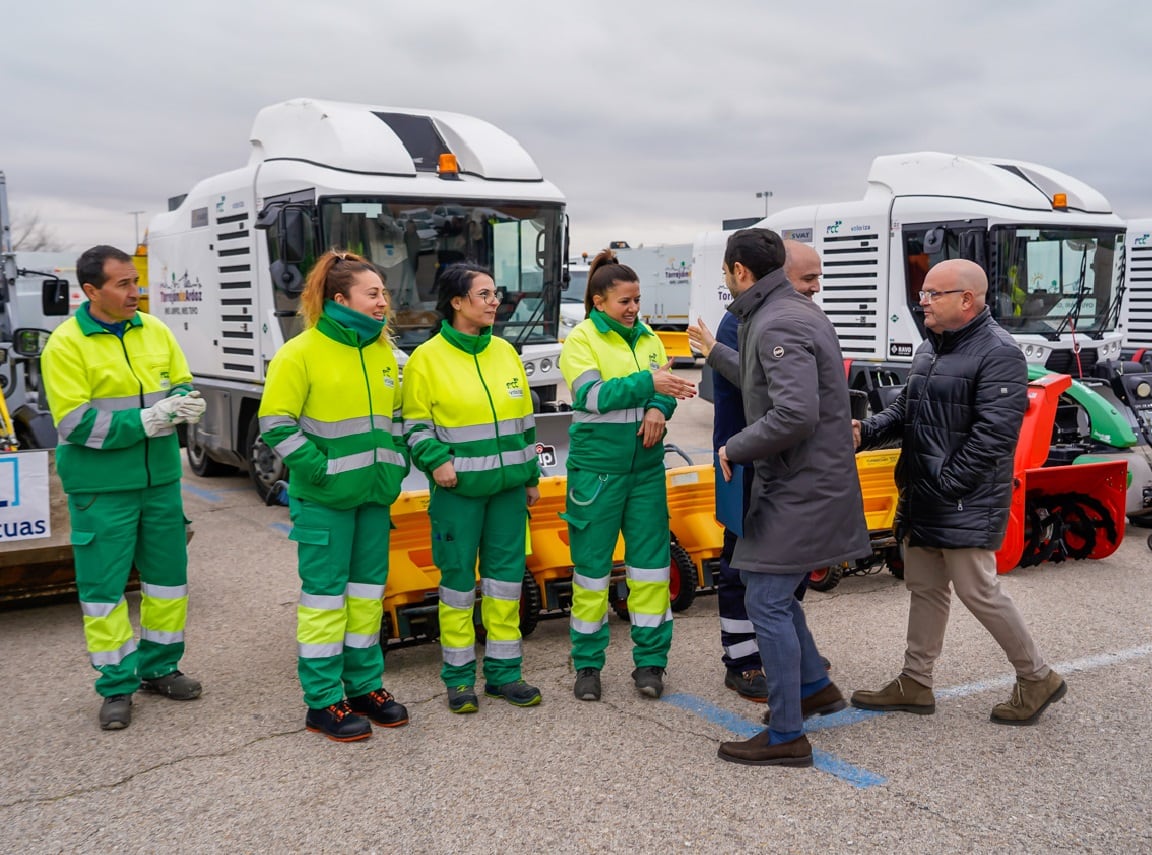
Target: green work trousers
493,530
110,533
343,565
600,508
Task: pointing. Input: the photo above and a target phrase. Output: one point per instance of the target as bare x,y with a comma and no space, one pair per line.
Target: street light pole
765,195
136,224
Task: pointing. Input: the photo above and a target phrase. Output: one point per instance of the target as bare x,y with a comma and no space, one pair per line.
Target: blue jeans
787,650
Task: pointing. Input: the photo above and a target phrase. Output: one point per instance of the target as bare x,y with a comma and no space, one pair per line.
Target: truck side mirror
934,240
54,297
293,233
30,342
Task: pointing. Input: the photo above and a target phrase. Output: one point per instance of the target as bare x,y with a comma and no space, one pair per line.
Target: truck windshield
1049,281
411,240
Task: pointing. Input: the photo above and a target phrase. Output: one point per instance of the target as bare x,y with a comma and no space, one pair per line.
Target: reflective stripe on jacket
611,383
466,399
330,409
97,383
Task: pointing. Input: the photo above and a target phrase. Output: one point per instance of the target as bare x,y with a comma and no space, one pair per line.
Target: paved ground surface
235,771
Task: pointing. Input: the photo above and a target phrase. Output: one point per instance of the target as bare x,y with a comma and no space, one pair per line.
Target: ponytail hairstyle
334,273
455,280
603,273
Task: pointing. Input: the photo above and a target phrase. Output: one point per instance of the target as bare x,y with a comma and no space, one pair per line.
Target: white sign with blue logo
24,498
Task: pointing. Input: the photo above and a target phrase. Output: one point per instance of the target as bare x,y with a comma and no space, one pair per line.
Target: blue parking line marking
279,526
201,493
822,760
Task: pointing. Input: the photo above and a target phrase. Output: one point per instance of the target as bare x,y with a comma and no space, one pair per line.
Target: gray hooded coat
806,511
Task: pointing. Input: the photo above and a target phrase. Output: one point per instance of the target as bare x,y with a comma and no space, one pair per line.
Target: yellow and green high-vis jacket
466,399
97,383
331,410
608,367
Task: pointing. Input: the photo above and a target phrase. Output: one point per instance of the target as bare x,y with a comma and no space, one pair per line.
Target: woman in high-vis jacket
468,419
331,410
623,391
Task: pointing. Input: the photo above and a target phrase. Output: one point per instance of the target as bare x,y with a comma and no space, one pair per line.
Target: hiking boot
757,751
381,707
1029,699
587,686
462,699
518,693
649,680
338,723
116,712
177,686
750,685
824,702
903,694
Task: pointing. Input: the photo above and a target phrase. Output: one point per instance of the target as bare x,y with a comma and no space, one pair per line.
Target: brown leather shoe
1029,699
903,694
758,752
825,702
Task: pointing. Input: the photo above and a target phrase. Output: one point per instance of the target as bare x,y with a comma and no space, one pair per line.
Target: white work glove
160,419
191,408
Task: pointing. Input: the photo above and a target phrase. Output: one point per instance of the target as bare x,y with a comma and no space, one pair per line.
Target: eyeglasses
931,296
487,296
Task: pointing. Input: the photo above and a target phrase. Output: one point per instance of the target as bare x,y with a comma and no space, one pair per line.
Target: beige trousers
972,572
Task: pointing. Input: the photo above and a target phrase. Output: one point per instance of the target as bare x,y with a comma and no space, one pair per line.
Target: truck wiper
526,326
1074,313
1114,306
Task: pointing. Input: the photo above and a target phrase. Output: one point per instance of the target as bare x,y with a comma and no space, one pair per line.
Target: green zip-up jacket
466,399
97,383
331,410
608,367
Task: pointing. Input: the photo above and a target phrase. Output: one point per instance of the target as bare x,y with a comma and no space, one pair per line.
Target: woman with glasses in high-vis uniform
469,423
623,391
331,410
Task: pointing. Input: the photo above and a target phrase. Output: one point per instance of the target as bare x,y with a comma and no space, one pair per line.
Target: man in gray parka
806,509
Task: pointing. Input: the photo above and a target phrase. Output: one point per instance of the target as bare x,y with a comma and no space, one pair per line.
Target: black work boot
338,723
177,686
587,686
381,707
649,680
116,712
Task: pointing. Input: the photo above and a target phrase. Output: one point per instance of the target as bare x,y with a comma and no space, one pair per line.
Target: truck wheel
894,558
199,461
618,599
826,578
683,579
264,465
530,605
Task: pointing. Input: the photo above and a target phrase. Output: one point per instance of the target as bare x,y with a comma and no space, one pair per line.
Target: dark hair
604,272
455,280
760,250
90,265
332,274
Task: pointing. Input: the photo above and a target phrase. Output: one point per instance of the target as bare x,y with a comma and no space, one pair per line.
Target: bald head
956,291
802,267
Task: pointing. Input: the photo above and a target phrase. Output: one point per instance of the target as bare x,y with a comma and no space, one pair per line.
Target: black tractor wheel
530,605
894,558
199,461
264,465
682,579
826,578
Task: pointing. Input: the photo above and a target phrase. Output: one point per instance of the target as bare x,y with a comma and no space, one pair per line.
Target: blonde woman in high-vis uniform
331,410
468,418
622,394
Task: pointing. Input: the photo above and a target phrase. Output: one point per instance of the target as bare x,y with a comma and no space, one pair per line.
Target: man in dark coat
959,419
806,509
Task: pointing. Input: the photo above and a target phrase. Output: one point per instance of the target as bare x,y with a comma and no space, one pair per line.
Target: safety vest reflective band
744,648
330,410
364,591
652,621
320,651
457,599
466,400
100,658
458,655
361,642
322,602
500,590
630,417
96,384
736,626
590,584
158,636
585,627
502,649
660,574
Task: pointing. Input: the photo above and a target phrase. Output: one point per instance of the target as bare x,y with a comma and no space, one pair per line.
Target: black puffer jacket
959,420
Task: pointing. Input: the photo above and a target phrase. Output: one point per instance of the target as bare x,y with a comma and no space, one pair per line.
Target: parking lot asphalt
235,770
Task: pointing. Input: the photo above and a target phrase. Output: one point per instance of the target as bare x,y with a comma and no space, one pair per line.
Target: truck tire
683,579
826,578
264,465
199,461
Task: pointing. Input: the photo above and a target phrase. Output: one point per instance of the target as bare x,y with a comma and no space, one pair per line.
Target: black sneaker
381,707
462,699
338,723
750,685
587,686
177,686
518,693
277,494
116,712
649,680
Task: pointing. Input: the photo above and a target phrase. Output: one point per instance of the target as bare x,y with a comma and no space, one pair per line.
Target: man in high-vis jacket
117,386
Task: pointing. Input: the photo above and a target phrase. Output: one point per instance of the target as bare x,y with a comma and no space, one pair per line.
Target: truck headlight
545,365
529,368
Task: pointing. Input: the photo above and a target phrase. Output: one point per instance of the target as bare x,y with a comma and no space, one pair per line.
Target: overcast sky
656,118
